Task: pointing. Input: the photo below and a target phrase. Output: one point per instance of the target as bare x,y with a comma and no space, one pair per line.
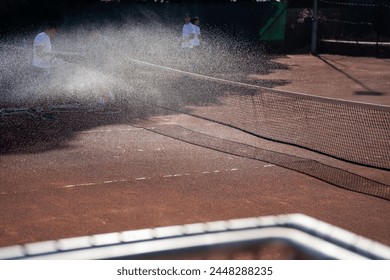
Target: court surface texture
88,173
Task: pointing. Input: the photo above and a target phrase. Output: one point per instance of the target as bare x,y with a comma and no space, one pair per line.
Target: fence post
314,28
378,28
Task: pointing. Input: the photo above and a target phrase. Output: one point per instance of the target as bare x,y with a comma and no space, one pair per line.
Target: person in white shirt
42,50
188,33
43,62
196,40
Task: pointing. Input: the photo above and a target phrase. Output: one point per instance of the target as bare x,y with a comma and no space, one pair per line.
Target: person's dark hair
51,25
194,19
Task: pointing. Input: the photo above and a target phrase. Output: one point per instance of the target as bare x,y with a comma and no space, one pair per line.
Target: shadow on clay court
366,89
146,93
369,93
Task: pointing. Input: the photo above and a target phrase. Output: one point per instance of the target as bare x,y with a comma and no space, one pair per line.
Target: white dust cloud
91,60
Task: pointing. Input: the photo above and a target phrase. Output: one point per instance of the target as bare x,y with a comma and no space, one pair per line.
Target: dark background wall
238,19
241,20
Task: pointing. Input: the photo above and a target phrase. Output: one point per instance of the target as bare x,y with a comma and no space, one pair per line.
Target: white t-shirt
42,51
188,34
195,41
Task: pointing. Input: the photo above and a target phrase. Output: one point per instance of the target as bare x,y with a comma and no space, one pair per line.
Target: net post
314,28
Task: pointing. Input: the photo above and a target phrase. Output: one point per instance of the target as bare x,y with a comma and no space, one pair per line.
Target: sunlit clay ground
87,172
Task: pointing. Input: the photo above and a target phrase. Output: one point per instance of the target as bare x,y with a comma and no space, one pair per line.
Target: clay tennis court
88,173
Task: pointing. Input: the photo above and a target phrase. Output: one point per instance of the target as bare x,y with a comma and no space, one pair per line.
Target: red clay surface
113,175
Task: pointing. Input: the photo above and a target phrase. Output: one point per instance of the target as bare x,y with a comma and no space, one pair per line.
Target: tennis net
353,132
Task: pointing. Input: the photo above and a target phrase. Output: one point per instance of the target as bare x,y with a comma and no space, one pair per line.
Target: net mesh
350,131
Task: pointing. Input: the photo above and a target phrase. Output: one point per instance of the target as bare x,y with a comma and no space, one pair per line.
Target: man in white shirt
43,62
42,50
196,41
188,33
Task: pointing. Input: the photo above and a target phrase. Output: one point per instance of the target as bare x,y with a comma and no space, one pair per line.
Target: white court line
140,178
78,185
107,182
111,130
